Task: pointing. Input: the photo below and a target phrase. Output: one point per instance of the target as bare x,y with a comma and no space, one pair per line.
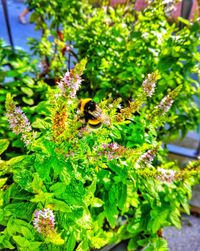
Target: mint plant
81,188
123,46
19,75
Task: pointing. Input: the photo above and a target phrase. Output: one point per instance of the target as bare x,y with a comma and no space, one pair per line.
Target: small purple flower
112,146
165,103
18,121
147,157
149,84
112,150
20,124
44,221
166,175
70,84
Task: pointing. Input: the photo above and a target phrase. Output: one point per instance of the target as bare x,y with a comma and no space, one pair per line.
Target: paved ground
19,31
186,239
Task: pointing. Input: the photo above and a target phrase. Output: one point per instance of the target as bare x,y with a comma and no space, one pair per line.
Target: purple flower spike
44,221
70,84
20,124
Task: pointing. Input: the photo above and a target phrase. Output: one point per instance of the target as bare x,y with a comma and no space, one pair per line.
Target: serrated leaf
158,219
134,228
185,205
37,184
24,179
58,188
111,214
85,221
175,218
161,245
58,205
15,226
44,198
22,210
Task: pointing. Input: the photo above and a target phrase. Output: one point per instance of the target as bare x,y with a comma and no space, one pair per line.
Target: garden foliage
122,47
81,188
73,186
19,75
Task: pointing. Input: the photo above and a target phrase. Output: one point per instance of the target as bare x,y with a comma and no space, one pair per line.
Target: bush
123,47
122,53
79,187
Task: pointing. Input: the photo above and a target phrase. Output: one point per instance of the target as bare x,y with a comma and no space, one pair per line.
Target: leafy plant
123,46
80,188
123,49
19,75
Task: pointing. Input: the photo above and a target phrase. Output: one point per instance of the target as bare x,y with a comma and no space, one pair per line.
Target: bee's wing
97,113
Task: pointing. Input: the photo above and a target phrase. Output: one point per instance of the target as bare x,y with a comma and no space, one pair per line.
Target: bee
91,112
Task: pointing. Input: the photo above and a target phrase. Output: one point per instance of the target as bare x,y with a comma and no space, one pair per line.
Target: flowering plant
80,188
18,76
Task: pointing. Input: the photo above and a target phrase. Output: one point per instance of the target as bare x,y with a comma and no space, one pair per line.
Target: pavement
185,239
20,32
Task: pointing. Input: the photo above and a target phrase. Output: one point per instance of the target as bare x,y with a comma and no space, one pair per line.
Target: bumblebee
91,112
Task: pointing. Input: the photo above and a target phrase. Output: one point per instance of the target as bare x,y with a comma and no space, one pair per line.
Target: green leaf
4,143
24,179
58,188
71,243
157,244
175,218
15,226
59,205
96,202
21,210
27,91
15,160
111,214
28,101
132,244
37,184
40,123
161,245
42,197
54,238
122,195
2,181
158,219
21,241
83,246
5,242
185,204
183,20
